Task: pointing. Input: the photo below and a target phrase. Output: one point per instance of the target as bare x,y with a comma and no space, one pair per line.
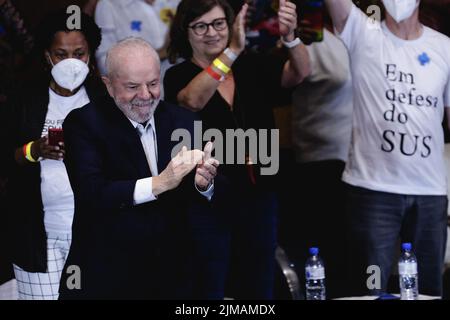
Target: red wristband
214,74
24,150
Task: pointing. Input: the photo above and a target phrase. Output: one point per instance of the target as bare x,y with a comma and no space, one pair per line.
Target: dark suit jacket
126,251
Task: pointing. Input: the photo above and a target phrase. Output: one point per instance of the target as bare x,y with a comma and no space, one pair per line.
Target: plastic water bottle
315,276
407,270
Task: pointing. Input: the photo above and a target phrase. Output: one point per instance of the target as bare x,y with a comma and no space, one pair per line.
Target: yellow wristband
221,66
28,156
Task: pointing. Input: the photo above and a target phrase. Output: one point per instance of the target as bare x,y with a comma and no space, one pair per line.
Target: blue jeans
376,223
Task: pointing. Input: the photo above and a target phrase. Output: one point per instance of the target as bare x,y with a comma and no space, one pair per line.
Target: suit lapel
163,135
127,137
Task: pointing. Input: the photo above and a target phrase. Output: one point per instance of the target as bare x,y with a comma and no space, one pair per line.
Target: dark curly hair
188,11
57,21
45,35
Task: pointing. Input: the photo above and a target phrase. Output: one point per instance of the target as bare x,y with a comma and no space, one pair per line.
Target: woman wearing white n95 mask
41,203
70,73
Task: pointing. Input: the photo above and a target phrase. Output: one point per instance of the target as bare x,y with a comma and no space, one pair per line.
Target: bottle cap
314,251
406,246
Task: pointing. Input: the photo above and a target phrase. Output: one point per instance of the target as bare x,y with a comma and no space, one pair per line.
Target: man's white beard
131,109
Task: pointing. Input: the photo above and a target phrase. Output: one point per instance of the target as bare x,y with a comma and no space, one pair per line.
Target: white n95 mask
69,73
400,9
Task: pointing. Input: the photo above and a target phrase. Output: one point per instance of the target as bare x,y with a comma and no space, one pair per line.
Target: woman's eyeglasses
201,28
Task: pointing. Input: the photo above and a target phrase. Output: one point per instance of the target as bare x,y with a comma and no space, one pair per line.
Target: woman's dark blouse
257,90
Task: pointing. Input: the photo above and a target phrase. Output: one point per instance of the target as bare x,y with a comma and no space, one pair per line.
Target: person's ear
108,85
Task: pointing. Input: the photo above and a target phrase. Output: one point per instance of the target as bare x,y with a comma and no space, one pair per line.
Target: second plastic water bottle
407,271
315,276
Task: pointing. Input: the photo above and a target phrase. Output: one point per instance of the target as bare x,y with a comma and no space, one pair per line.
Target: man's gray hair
134,44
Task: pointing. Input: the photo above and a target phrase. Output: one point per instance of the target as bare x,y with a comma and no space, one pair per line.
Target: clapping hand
207,169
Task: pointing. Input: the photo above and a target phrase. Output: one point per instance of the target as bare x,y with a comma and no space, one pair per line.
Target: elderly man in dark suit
131,199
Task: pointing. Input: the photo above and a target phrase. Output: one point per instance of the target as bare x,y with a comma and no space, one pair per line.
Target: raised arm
200,90
297,67
339,11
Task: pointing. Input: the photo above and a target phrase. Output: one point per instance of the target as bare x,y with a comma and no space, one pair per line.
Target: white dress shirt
144,187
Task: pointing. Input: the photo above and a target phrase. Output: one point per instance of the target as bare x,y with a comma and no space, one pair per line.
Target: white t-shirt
57,195
323,104
120,19
400,90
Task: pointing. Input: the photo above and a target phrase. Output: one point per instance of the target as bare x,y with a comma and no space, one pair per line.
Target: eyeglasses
201,28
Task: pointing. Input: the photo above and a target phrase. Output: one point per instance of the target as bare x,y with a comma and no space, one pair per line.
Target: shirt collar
149,122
